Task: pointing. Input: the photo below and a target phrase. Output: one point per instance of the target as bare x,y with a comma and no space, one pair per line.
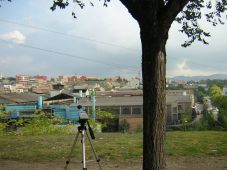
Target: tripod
82,129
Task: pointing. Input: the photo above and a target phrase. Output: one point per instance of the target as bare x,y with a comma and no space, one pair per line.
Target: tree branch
172,9
131,6
143,9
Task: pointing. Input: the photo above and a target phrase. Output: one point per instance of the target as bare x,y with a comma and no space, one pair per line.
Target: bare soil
173,163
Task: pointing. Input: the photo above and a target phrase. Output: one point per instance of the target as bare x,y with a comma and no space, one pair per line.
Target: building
128,105
20,88
225,91
18,98
41,85
38,84
178,102
134,83
23,80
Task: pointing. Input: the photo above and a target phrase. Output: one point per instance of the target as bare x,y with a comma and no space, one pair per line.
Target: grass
111,146
196,143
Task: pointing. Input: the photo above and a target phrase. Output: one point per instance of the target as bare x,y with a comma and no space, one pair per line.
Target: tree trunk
155,18
153,40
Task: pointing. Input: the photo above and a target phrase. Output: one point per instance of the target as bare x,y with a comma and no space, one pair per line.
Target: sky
101,42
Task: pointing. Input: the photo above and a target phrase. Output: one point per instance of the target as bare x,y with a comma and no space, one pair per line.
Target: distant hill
197,78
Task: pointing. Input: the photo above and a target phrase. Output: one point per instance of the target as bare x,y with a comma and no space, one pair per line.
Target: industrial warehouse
125,105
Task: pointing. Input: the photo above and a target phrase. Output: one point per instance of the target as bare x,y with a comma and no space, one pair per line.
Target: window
180,107
136,111
126,110
169,109
174,110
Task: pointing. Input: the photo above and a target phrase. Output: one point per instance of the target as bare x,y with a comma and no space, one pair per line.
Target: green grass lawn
196,143
112,146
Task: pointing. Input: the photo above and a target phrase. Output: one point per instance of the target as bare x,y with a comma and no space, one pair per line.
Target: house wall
132,114
135,123
178,101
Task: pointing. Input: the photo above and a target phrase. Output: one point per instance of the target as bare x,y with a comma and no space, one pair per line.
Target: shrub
139,128
2,128
42,125
207,123
96,126
123,126
222,119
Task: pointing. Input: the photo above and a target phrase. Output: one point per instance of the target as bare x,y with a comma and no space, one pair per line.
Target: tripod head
83,119
83,116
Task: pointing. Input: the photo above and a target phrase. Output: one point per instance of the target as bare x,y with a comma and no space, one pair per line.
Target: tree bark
153,40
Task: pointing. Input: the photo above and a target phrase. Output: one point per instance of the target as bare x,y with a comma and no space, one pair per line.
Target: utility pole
92,93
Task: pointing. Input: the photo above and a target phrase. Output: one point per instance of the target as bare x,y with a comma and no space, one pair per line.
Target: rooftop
19,97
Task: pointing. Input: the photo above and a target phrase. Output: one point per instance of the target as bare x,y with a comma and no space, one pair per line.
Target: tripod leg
83,149
96,156
71,152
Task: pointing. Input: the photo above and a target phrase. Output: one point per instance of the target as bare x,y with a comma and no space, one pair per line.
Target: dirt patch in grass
173,163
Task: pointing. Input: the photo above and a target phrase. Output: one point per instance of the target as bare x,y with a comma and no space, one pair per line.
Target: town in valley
186,101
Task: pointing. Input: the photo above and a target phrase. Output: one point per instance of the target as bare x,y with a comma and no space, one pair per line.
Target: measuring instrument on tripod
82,130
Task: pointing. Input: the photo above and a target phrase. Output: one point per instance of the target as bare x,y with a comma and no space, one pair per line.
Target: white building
225,91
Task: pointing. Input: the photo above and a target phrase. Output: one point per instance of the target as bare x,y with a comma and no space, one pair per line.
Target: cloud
11,65
15,36
183,69
111,29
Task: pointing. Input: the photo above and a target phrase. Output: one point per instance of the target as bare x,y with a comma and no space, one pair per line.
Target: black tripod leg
71,152
93,149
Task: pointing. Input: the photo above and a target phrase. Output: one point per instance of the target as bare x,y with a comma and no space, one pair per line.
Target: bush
123,126
222,119
207,123
43,126
185,117
2,128
108,121
139,128
96,126
104,115
40,124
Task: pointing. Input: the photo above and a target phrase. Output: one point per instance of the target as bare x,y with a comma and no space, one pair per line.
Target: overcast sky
100,42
